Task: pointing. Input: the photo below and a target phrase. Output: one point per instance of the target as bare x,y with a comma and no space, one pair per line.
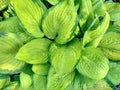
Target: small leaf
93,63
30,15
41,69
39,82
60,22
58,83
35,51
65,57
26,78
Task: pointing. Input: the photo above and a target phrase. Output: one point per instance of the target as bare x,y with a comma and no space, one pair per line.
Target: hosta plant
59,45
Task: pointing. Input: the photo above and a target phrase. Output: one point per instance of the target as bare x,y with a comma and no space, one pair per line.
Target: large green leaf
65,57
39,82
41,69
35,51
60,22
93,63
93,37
110,44
9,46
13,25
114,73
30,15
58,83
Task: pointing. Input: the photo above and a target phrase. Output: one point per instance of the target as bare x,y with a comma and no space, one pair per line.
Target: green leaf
25,81
9,46
60,22
85,13
98,7
12,86
113,10
4,80
41,69
110,45
35,51
114,73
13,25
26,77
58,83
93,63
30,15
65,57
93,37
39,82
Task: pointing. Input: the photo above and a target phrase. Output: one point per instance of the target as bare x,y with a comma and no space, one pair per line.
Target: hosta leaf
26,78
111,40
4,80
35,51
100,85
53,2
65,57
25,81
9,46
12,86
60,22
4,4
113,10
93,37
93,63
39,82
41,69
13,25
98,7
85,13
110,44
30,15
58,83
114,73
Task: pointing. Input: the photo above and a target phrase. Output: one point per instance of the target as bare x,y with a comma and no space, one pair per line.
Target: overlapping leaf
60,22
30,14
114,73
9,46
93,63
35,51
65,57
58,83
110,44
13,25
39,82
41,69
93,37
